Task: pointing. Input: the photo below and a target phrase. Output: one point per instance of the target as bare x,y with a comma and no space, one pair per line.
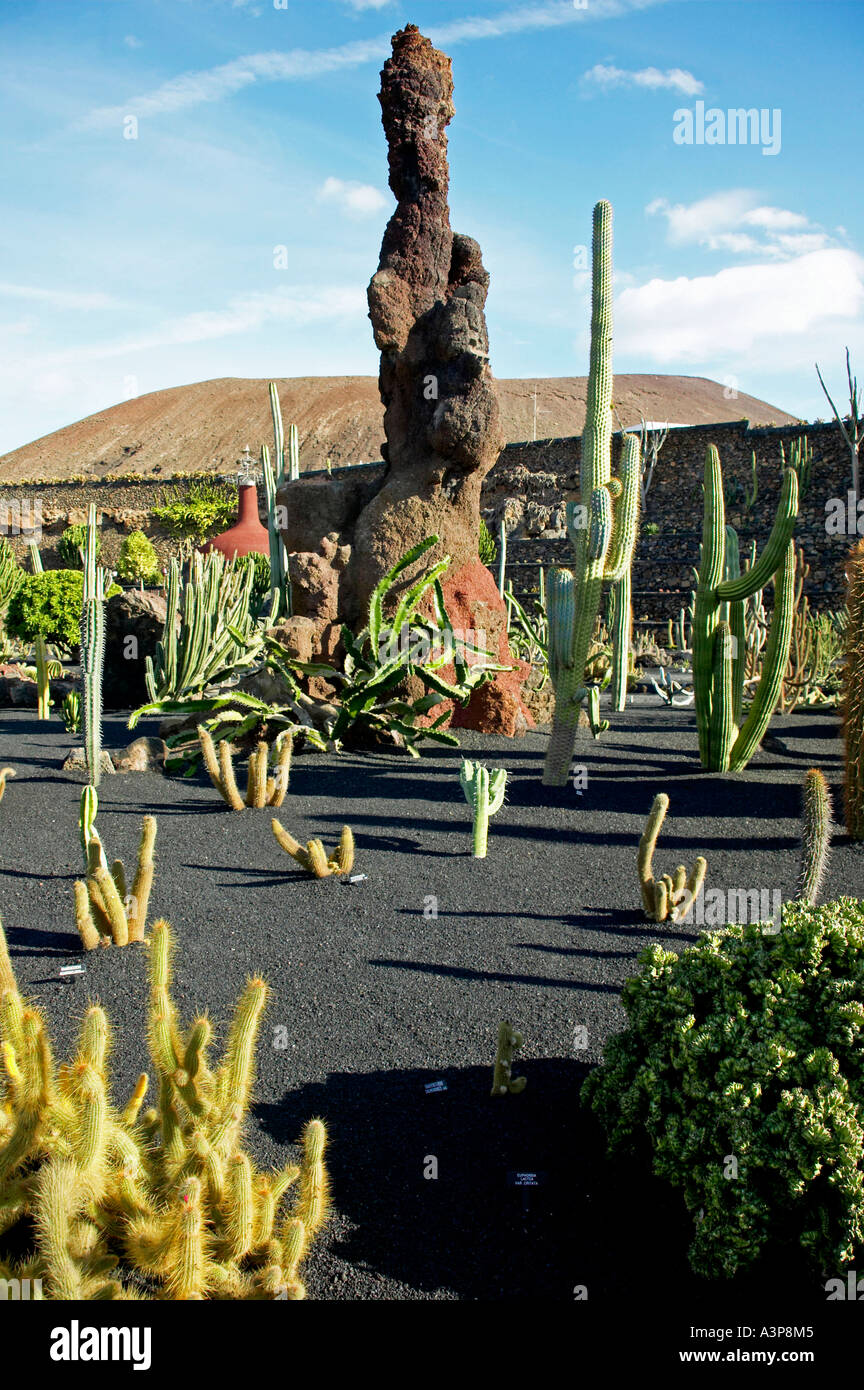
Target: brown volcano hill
208,424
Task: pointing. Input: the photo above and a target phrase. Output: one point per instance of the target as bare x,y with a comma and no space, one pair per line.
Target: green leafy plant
70,546
48,605
201,510
138,561
743,1067
486,547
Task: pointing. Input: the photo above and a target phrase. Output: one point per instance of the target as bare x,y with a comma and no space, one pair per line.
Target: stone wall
528,487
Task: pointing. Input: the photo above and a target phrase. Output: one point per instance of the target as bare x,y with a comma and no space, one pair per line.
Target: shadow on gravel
28,941
604,1223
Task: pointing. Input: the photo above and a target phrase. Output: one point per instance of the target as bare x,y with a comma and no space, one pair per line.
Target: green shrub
138,559
743,1065
70,545
204,509
486,547
49,605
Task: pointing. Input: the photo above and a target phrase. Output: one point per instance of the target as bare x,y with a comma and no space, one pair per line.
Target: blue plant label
432,1086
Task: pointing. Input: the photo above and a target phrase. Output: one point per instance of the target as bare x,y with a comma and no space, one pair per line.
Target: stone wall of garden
527,488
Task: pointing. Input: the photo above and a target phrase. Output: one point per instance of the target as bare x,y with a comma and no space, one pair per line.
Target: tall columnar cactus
853,694
484,791
719,625
816,839
622,628
113,1204
502,556
604,548
43,679
279,582
672,895
93,648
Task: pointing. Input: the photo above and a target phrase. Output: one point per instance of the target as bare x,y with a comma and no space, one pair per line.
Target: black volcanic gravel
373,998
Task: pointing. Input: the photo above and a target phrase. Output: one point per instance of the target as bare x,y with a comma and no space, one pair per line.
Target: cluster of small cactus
672,895
261,788
164,1205
313,857
719,624
604,548
484,790
503,1080
853,694
106,910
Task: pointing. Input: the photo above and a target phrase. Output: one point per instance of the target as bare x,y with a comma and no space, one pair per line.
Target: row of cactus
165,1205
274,475
313,857
719,624
96,581
484,790
672,895
107,910
210,631
604,548
261,788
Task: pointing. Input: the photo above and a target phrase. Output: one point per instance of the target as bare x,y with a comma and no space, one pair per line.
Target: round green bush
49,605
138,559
70,545
743,1067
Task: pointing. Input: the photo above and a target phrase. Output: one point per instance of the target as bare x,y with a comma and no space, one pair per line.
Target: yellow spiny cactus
313,856
261,789
4,773
672,895
104,911
167,1205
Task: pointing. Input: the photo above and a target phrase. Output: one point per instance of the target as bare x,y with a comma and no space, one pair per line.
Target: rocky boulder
134,622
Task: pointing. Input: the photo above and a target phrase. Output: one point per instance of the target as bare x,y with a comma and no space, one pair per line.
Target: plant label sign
432,1086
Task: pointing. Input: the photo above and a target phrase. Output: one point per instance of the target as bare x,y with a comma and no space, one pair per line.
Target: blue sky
132,264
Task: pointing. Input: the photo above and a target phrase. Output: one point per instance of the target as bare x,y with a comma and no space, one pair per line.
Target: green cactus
719,625
621,629
87,820
853,694
96,581
484,791
672,895
280,585
503,1080
110,1204
604,548
816,839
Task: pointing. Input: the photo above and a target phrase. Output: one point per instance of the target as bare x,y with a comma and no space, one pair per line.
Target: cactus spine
853,694
93,648
484,791
503,1080
672,895
171,1196
313,857
604,549
816,839
719,616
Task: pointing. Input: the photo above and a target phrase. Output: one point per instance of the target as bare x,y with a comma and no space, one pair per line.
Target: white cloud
768,315
716,222
132,42
368,4
354,199
60,299
673,79
293,65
